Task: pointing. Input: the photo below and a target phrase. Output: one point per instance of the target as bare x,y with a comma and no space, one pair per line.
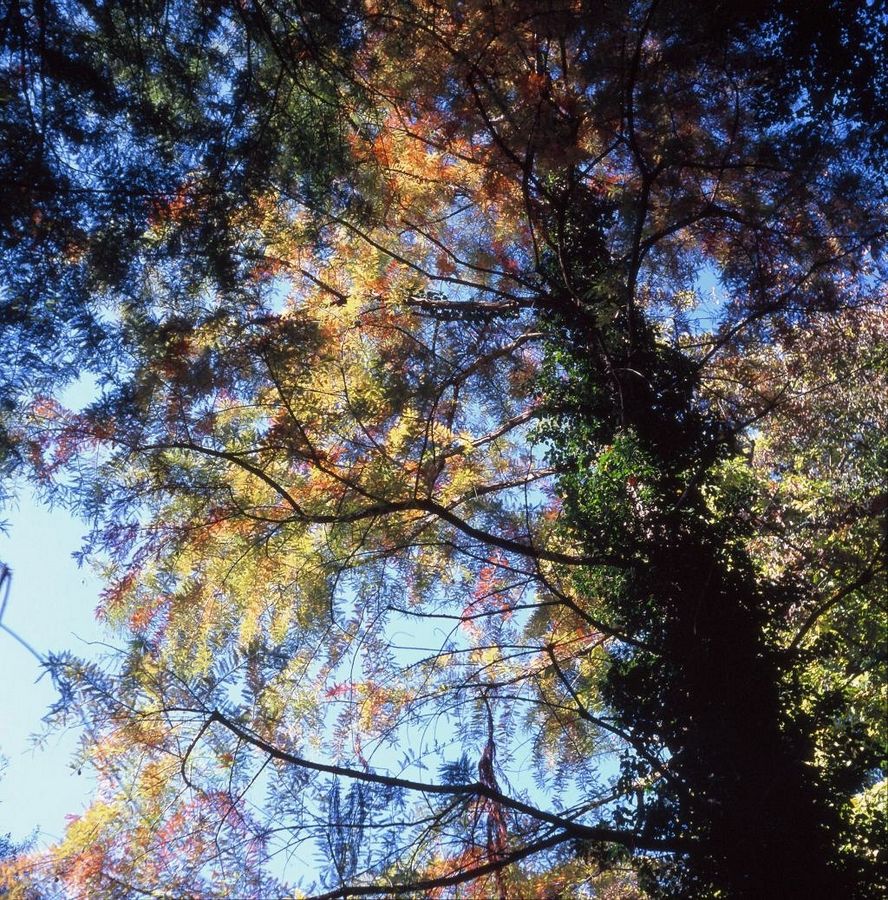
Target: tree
447,379
113,115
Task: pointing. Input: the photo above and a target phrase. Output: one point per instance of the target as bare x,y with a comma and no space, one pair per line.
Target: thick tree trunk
710,690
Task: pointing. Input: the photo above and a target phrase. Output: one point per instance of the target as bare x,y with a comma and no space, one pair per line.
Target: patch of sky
693,308
50,608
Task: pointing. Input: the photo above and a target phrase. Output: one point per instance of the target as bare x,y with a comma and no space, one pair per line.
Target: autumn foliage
485,471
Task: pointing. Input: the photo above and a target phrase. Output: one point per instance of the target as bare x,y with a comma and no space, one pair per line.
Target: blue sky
51,605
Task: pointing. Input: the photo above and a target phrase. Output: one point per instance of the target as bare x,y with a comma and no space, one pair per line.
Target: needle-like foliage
485,469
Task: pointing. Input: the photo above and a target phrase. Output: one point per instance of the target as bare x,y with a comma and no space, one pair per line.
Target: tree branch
473,789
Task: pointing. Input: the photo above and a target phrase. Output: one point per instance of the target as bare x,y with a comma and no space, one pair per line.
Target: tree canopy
485,467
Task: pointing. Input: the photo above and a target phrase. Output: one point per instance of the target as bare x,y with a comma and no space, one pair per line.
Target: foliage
113,117
454,545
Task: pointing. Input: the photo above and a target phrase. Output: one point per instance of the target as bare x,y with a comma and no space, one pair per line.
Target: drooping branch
442,881
473,789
